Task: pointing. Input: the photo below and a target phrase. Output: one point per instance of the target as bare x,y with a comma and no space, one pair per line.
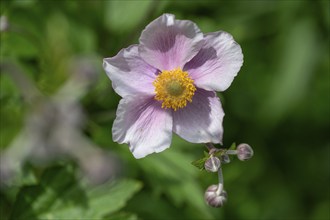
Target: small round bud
224,158
244,152
214,198
212,164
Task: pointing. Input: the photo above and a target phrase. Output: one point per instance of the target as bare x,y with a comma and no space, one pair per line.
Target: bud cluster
215,195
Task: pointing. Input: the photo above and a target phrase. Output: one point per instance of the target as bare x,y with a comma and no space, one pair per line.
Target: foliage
59,195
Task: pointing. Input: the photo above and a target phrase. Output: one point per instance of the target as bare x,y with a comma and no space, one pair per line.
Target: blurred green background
58,160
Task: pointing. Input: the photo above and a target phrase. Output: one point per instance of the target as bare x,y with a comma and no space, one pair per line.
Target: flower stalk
220,184
231,152
215,195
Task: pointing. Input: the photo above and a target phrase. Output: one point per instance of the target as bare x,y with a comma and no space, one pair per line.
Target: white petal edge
201,120
217,63
167,43
143,124
129,73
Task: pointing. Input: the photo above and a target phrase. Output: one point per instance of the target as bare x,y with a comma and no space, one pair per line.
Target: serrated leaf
232,146
206,154
36,199
200,163
59,195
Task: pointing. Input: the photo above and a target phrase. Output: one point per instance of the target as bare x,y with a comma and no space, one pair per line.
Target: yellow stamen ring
174,88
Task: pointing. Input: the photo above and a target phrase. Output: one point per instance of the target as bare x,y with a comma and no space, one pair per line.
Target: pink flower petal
217,63
130,75
201,120
167,43
143,124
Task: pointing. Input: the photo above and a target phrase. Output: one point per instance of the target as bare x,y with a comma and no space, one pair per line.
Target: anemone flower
168,83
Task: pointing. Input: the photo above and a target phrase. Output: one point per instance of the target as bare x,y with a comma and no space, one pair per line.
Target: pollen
174,88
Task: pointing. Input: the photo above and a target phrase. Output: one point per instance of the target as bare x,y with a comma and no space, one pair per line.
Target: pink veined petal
143,124
217,63
167,43
201,120
130,75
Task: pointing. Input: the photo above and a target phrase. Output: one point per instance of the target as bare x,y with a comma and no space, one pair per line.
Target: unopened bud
244,152
215,198
212,164
224,158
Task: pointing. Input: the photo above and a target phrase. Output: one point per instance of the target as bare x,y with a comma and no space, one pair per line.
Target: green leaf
102,200
12,109
122,216
206,154
35,199
14,45
200,162
111,197
232,146
59,195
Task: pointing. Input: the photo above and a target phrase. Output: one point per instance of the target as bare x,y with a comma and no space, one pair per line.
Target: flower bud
244,152
212,164
214,198
224,158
